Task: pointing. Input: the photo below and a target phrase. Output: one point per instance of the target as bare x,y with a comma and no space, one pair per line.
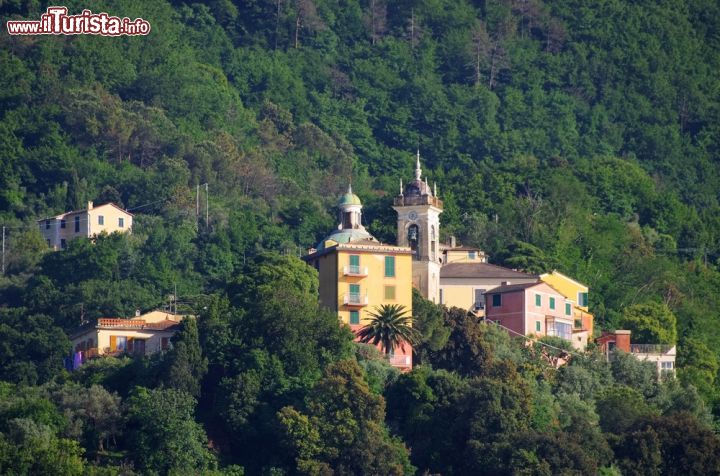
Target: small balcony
355,270
402,361
355,300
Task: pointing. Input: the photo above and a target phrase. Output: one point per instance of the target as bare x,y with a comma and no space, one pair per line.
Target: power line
536,341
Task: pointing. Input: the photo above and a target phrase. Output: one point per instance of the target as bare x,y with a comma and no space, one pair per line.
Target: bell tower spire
418,170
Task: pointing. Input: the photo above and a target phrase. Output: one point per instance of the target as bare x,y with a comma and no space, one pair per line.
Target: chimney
90,206
137,311
453,242
505,283
622,340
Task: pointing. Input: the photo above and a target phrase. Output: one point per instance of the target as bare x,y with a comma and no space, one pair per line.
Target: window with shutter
389,266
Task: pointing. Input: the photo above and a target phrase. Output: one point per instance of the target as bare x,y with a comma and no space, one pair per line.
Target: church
358,273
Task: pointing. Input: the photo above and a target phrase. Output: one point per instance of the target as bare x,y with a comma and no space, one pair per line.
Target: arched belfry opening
414,240
418,227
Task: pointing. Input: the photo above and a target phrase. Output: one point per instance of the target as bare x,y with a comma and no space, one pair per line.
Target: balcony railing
650,348
355,299
106,322
355,270
400,360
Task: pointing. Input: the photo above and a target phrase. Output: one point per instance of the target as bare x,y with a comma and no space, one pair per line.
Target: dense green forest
569,135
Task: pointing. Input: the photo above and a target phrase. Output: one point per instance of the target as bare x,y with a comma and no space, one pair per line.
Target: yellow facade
59,230
575,292
142,335
375,287
466,255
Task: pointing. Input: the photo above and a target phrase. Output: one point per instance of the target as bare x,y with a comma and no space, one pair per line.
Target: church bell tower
419,209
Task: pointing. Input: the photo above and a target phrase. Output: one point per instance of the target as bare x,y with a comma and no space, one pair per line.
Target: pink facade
401,356
530,309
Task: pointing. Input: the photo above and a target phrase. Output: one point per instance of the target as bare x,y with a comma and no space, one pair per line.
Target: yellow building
577,293
142,335
464,282
59,230
358,273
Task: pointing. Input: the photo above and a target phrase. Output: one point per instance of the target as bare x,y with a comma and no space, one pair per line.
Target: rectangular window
118,343
48,242
538,326
47,224
389,266
666,365
497,300
101,220
62,223
538,300
164,343
354,317
563,330
578,323
77,223
63,245
471,255
552,302
568,309
582,299
121,222
480,299
390,292
354,267
355,290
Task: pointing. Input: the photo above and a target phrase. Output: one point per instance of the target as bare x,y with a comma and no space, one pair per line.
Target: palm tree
389,326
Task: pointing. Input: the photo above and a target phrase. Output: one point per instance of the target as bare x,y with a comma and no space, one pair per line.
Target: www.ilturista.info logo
56,21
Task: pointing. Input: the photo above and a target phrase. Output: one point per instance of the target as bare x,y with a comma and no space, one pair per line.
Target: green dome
349,198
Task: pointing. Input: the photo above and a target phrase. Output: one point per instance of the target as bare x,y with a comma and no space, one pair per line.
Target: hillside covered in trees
569,135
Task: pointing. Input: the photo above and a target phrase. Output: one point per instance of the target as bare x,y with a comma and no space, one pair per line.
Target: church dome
349,198
346,236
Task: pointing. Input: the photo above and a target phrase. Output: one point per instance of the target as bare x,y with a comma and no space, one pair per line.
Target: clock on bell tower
419,209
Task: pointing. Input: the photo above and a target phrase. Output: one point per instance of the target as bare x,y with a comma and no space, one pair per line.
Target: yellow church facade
358,274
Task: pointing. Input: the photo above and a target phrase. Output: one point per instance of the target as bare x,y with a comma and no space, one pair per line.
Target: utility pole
207,207
197,205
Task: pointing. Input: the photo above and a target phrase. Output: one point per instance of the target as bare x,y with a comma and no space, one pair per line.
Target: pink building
533,309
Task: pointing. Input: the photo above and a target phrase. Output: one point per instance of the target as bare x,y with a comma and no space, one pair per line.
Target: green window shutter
582,299
537,326
354,317
390,292
354,260
389,266
538,300
568,309
552,303
354,289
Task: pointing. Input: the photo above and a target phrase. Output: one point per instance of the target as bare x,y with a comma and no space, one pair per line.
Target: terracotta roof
481,270
162,325
508,288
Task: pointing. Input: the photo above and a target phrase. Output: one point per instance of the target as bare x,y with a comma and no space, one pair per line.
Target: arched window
433,244
414,240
